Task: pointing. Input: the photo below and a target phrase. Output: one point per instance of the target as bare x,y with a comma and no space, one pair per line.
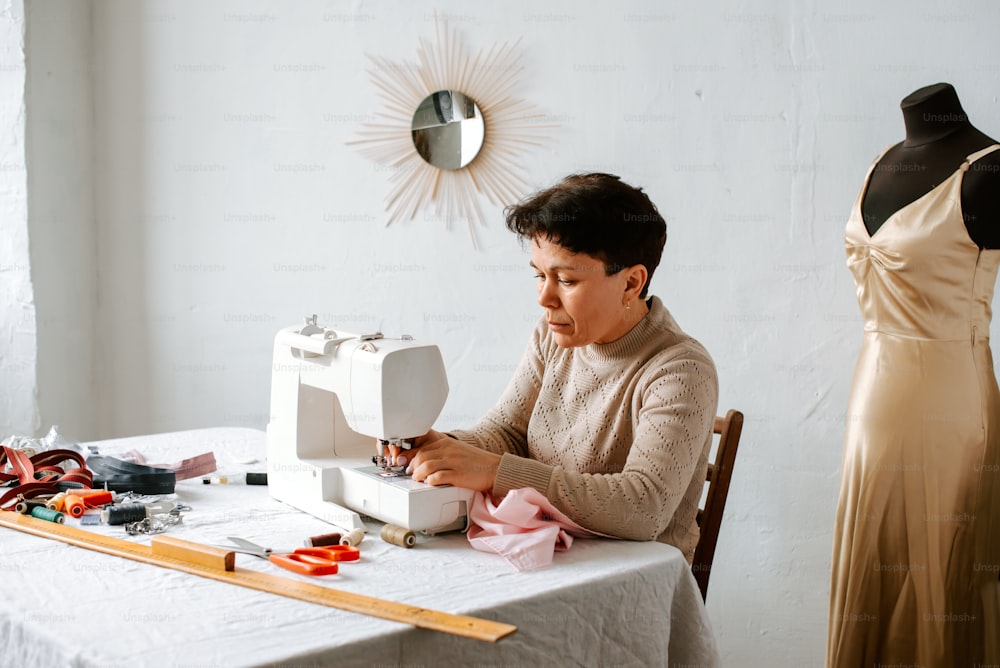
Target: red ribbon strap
39,474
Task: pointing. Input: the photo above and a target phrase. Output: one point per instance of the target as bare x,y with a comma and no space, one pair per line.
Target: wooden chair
719,474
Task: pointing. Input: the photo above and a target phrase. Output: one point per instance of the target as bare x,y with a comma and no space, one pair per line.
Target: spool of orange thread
56,502
74,505
93,497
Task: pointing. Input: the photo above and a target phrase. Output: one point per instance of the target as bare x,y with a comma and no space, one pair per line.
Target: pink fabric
525,528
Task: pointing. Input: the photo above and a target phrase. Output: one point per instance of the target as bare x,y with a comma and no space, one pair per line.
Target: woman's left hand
447,461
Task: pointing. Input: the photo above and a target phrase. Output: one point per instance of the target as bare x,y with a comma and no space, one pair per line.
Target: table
601,603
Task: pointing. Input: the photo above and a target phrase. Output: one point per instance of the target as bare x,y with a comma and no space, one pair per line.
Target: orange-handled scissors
304,560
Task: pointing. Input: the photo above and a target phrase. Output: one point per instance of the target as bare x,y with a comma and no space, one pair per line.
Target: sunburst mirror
451,129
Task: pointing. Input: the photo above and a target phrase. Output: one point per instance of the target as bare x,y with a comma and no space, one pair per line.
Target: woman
610,412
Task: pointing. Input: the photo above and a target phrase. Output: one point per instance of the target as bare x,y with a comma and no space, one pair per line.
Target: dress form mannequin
939,137
916,547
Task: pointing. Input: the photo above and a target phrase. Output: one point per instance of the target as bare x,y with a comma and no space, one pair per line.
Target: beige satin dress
917,537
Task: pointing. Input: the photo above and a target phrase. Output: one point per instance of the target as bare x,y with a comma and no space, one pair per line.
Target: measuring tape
218,564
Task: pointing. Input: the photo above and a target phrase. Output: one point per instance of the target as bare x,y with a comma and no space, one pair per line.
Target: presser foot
385,451
386,470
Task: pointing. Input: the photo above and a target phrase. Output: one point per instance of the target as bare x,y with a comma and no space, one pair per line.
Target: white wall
18,341
60,141
225,205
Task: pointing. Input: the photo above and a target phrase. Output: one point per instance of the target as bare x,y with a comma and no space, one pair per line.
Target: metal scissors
304,560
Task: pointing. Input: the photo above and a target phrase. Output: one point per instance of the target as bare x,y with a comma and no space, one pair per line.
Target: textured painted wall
18,344
227,205
64,255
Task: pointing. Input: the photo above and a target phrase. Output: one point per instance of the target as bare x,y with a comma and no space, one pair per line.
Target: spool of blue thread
48,515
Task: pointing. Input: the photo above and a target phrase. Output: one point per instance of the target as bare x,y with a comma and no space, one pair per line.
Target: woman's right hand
429,437
447,461
401,457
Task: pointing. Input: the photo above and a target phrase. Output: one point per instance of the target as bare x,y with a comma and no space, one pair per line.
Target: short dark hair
597,214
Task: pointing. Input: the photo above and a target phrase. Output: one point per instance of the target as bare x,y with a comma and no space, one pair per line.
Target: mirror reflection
448,129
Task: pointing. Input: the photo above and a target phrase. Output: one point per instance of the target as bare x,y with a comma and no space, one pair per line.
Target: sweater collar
651,326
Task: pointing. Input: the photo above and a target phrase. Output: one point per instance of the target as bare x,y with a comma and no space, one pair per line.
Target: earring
628,306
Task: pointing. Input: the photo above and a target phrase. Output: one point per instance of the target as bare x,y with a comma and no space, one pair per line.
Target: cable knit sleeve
656,474
504,427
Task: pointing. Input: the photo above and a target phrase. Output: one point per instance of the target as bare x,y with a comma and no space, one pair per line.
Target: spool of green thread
48,515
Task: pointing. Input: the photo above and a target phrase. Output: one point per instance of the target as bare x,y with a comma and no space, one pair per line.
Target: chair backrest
719,474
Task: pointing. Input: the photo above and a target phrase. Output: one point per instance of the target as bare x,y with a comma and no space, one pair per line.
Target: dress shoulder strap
981,153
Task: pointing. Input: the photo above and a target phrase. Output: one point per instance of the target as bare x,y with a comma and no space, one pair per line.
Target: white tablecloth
602,603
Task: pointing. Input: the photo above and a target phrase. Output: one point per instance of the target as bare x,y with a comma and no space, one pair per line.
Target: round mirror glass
448,129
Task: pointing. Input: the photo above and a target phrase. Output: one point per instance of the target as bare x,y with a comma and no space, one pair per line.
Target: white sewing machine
339,403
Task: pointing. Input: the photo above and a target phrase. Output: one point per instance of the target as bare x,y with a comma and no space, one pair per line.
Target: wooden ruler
218,564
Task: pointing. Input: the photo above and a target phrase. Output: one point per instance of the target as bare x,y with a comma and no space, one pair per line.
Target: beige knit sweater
615,435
